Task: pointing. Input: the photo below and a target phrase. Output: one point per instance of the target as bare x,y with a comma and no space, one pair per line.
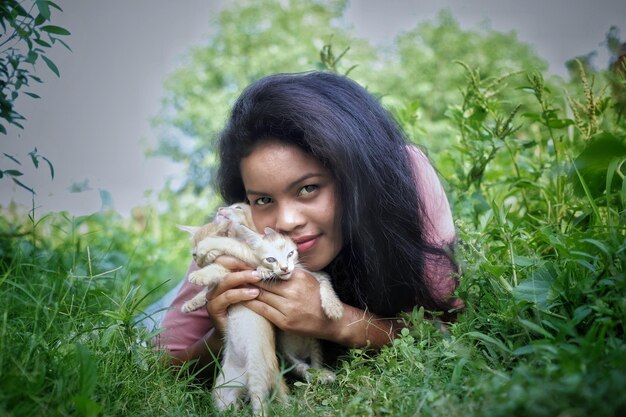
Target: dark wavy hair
380,267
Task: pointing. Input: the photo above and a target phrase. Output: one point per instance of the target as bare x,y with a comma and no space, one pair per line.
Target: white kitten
249,349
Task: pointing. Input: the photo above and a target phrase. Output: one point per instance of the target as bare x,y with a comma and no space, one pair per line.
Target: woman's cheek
260,221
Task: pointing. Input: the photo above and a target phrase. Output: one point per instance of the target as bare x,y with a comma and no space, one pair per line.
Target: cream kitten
222,225
249,351
249,360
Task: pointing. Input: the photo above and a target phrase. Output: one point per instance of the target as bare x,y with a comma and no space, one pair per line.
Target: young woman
319,159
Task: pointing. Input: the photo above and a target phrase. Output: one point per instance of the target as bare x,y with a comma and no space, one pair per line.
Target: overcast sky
93,121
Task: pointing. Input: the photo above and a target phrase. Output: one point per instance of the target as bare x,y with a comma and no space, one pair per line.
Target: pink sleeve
181,330
438,225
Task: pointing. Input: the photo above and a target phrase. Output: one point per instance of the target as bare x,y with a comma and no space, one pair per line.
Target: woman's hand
294,306
236,287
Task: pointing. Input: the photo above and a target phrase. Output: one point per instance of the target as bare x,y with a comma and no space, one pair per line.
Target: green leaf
49,166
591,166
536,328
86,406
524,350
34,157
587,193
57,30
581,313
24,186
536,288
87,381
587,265
523,261
43,43
12,158
32,56
13,172
3,130
559,123
54,5
44,8
39,20
489,340
63,43
88,370
598,244
51,65
33,95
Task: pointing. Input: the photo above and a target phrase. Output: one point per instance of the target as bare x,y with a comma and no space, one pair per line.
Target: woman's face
291,192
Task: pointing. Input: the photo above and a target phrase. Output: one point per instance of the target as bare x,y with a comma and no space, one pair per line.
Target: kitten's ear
270,231
253,239
189,229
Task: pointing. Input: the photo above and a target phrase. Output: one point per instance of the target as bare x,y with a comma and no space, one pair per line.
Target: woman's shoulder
439,225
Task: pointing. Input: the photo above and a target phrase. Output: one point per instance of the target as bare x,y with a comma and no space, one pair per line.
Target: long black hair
380,267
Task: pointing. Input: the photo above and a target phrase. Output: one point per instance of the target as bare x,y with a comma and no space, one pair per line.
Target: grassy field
538,192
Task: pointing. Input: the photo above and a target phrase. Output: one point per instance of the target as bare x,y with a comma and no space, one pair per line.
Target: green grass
541,221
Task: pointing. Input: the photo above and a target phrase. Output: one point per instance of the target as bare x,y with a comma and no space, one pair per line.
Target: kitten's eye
262,201
308,189
238,208
290,254
270,260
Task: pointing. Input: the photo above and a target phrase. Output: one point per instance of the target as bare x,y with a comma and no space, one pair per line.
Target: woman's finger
267,311
218,303
271,298
233,280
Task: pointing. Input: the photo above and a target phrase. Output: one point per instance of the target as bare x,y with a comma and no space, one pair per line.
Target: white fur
249,362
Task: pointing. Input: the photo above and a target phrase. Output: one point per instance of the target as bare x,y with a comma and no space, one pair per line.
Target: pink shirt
182,330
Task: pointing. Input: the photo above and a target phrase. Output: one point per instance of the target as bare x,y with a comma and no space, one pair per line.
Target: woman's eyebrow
304,178
291,184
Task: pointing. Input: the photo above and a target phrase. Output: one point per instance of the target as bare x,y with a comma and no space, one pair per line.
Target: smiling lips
306,243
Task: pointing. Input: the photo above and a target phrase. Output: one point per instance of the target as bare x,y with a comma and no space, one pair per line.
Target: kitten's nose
284,269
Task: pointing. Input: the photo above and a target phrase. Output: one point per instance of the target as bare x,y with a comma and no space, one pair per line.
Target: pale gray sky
93,122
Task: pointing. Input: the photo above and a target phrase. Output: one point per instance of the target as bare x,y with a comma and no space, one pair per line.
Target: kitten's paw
198,277
206,252
209,275
333,308
207,258
192,305
326,376
265,273
323,376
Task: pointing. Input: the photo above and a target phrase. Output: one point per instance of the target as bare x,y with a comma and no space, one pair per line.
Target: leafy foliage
26,37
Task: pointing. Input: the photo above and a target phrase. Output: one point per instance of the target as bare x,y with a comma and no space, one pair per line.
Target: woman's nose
289,218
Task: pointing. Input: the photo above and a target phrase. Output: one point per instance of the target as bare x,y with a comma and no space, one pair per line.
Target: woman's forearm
359,328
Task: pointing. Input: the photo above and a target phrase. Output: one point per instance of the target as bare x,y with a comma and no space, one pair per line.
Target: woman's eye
270,260
262,201
308,189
